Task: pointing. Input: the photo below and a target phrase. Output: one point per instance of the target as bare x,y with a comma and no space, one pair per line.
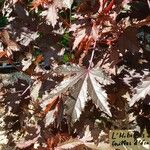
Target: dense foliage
71,71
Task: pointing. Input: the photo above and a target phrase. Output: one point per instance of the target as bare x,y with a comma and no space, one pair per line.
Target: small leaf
68,3
68,57
50,117
129,41
35,89
3,21
23,144
2,54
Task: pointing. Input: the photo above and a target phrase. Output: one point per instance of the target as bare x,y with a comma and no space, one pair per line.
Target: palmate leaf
52,12
81,82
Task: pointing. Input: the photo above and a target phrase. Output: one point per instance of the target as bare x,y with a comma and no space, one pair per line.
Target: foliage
71,71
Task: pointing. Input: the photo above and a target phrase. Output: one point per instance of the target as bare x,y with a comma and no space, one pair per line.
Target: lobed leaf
81,83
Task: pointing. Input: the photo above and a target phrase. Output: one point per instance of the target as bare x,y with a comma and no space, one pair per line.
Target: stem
91,59
92,56
148,2
70,17
26,90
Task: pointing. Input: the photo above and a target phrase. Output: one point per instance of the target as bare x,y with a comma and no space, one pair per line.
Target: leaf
26,63
50,117
75,104
2,54
148,2
109,7
35,89
87,135
51,111
54,111
23,144
80,35
52,104
3,138
27,36
72,143
38,59
85,37
68,3
11,45
86,141
51,15
3,21
69,144
37,3
52,12
141,91
82,81
59,114
128,40
97,94
58,138
125,2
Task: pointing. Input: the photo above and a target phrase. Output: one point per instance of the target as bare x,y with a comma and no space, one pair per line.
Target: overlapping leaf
51,13
85,141
6,40
141,91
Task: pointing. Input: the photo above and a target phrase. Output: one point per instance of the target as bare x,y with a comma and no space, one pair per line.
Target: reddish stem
109,7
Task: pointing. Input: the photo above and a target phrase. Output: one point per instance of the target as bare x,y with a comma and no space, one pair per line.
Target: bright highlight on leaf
141,91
